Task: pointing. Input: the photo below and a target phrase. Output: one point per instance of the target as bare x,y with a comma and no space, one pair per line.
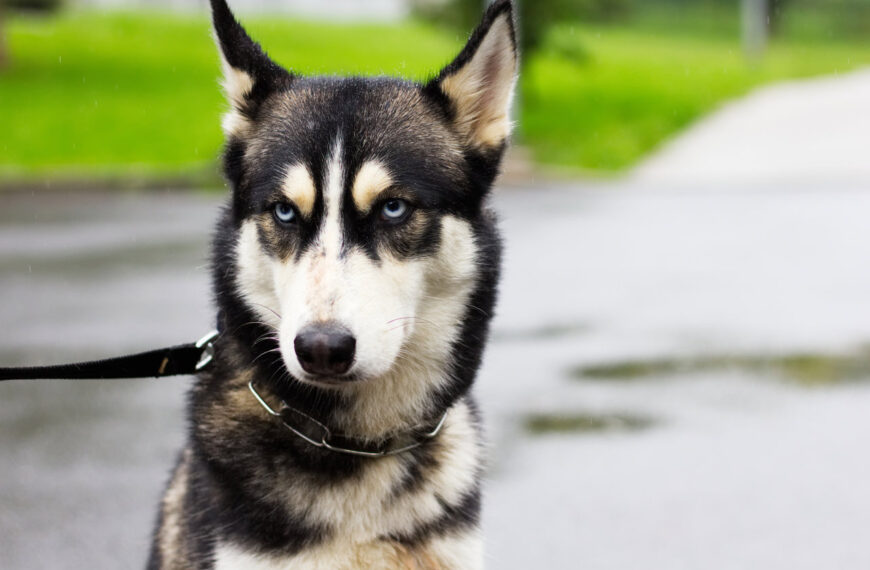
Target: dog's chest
391,502
456,552
393,496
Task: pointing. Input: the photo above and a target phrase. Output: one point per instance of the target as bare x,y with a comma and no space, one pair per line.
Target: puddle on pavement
541,333
573,423
807,369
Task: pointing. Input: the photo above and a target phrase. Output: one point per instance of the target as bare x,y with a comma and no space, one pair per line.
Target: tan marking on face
372,179
298,187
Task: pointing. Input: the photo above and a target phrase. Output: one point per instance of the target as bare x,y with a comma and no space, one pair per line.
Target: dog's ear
479,83
249,75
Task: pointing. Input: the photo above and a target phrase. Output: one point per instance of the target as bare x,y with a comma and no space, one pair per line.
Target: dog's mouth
333,382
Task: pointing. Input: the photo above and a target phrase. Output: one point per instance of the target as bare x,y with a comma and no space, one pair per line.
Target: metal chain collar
319,435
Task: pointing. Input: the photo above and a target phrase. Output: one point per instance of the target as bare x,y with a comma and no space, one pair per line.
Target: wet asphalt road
723,468
87,276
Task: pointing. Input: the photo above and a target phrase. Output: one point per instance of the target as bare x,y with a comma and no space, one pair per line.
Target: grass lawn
135,96
600,98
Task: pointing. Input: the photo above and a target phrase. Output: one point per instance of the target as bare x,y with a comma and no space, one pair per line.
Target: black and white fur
318,168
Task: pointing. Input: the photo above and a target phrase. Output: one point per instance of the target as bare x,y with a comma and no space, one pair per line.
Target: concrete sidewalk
814,131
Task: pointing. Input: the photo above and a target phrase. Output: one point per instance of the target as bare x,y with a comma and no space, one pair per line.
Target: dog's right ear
249,75
479,84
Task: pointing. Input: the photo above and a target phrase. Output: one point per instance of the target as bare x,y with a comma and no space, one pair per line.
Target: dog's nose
325,349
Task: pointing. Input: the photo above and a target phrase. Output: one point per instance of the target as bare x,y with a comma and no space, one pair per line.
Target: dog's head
358,203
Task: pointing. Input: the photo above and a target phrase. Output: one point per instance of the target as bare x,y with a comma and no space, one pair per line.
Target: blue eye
284,213
395,210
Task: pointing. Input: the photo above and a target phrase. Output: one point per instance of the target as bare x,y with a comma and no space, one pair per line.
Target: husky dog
355,271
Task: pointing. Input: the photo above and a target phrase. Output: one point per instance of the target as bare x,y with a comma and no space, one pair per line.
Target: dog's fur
417,294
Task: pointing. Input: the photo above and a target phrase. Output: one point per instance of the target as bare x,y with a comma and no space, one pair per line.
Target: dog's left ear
249,74
479,83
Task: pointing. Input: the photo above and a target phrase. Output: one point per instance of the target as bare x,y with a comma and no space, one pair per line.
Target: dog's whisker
270,309
266,336
254,323
262,354
405,321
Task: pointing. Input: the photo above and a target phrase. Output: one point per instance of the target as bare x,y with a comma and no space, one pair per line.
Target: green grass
137,95
126,96
602,97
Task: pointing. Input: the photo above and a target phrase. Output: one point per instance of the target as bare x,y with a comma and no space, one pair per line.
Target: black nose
325,349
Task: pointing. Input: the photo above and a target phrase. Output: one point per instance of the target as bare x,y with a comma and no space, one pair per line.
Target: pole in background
754,15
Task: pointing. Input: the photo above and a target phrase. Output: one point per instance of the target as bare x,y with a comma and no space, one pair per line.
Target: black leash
193,357
170,361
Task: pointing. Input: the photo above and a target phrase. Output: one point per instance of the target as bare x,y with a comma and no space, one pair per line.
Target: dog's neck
410,397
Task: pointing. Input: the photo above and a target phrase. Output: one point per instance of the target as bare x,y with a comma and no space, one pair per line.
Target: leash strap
171,361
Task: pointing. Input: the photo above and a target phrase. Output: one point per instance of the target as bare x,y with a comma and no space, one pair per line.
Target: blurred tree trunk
774,14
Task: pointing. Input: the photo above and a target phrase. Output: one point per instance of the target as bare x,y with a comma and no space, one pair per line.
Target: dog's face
355,201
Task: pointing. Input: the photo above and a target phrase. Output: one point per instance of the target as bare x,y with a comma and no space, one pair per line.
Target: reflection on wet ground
807,369
578,423
544,332
674,427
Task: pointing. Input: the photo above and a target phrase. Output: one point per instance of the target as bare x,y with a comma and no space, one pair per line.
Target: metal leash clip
206,343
